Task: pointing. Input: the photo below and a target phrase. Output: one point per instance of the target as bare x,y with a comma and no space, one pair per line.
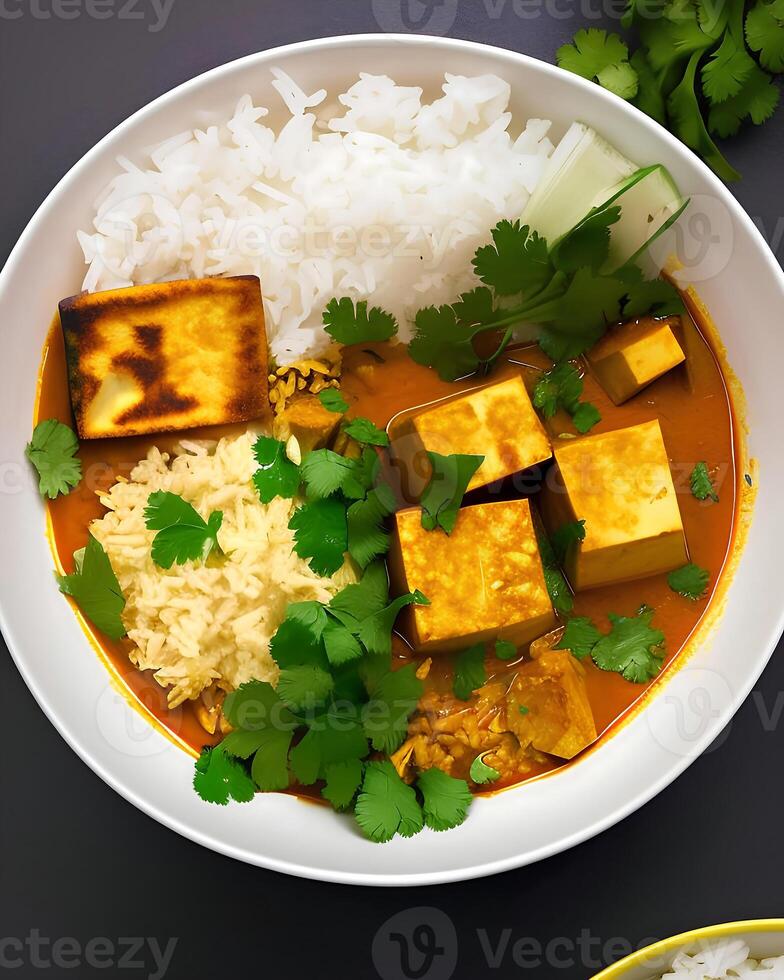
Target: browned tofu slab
168,356
484,581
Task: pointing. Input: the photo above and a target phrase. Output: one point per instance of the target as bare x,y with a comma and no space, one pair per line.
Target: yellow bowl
765,937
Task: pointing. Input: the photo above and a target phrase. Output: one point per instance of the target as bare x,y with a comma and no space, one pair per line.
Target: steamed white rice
723,961
202,623
377,195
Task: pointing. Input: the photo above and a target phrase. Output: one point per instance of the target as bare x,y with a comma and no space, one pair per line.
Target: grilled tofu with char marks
166,357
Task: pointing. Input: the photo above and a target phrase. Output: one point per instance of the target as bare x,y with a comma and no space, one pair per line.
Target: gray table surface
82,872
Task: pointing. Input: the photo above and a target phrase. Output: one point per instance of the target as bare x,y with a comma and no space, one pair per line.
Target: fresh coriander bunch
702,68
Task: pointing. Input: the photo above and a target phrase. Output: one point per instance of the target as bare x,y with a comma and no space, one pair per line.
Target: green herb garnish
350,324
691,581
94,588
333,400
470,672
386,805
632,648
364,431
444,493
445,800
481,773
321,534
276,476
702,486
505,650
52,451
565,536
183,534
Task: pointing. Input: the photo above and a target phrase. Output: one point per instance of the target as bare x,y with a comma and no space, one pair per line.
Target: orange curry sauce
692,403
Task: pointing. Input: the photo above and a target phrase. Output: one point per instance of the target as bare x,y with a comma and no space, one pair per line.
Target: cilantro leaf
558,589
393,699
585,417
480,773
52,451
505,650
348,324
321,534
516,262
356,602
726,70
96,591
632,648
386,805
765,34
324,473
333,400
304,686
580,637
375,632
444,493
218,779
183,534
475,307
445,799
335,736
343,781
757,100
656,297
340,644
364,431
255,706
295,644
688,125
561,387
581,315
691,581
598,56
649,98
470,672
269,748
277,476
442,343
367,537
565,536
587,245
701,483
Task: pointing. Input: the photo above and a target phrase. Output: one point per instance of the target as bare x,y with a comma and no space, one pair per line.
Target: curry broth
380,381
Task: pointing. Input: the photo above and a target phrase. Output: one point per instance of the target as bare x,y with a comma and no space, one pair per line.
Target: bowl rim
513,860
724,930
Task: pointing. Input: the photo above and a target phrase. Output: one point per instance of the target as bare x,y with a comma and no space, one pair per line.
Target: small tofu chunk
308,421
484,581
556,715
631,356
620,484
169,356
497,422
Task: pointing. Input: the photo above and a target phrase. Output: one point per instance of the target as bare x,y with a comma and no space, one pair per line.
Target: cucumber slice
583,169
650,203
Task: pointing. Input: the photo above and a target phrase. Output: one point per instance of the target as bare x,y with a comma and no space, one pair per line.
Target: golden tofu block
165,357
631,356
497,422
484,581
620,484
308,421
556,715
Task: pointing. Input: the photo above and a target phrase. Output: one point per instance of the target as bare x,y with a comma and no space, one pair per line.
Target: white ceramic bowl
742,285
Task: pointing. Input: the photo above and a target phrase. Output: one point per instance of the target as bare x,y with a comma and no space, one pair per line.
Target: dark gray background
78,861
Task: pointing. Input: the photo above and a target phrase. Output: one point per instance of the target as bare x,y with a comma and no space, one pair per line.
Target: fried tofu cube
548,705
497,422
164,357
308,421
620,484
484,581
633,355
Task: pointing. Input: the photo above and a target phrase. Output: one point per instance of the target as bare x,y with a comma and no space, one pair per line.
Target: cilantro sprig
52,451
561,387
701,484
348,323
277,475
691,581
559,289
632,648
183,534
443,495
94,588
338,699
702,69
